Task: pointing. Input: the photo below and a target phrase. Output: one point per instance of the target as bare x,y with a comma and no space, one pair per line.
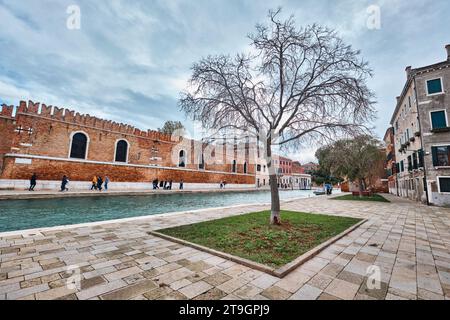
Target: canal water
37,213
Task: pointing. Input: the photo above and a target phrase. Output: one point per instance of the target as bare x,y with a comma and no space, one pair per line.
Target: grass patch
250,236
375,197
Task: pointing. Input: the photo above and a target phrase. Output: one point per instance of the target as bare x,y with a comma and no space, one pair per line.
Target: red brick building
53,142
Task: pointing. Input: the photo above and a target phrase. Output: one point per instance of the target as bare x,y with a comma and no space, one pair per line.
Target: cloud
129,60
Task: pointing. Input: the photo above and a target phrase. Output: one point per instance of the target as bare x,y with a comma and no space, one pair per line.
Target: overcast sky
130,59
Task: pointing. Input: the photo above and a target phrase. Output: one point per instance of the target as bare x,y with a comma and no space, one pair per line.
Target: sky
129,60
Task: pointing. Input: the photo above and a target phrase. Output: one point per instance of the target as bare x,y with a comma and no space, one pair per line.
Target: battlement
71,116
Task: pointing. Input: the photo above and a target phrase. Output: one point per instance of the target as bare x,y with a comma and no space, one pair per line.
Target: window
402,166
434,86
121,151
438,119
201,163
245,167
79,144
440,156
410,165
258,168
415,162
233,167
421,158
444,184
264,168
182,159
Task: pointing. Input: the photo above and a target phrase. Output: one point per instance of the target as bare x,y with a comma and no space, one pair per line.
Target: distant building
300,179
310,167
422,134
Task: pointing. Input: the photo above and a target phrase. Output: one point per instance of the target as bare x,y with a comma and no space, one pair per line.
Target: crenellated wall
43,134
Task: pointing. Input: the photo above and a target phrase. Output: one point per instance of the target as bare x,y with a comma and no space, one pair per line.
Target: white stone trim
54,185
439,184
17,155
431,119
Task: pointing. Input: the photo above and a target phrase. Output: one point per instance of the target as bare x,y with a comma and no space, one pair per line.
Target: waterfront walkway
48,194
407,242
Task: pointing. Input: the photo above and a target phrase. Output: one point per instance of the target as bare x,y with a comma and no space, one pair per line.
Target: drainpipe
421,141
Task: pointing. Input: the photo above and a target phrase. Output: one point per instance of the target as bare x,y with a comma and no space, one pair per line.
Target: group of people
98,183
165,185
64,183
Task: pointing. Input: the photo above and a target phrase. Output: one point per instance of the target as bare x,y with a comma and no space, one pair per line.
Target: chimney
398,100
408,71
447,47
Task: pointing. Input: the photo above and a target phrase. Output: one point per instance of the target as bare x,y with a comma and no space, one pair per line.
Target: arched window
78,146
182,159
245,167
233,168
121,151
201,163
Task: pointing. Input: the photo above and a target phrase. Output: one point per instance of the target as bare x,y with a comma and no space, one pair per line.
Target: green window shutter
438,120
434,86
435,157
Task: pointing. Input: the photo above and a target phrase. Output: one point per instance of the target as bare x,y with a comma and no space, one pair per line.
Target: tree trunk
361,188
275,218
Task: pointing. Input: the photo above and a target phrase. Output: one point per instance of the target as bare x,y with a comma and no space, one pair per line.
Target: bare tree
296,85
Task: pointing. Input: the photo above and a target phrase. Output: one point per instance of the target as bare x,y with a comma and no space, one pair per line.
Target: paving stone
276,293
342,289
264,281
247,292
91,282
130,291
54,293
217,278
100,289
195,289
122,273
374,290
212,294
307,292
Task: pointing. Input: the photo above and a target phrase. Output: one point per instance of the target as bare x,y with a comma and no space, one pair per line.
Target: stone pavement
408,242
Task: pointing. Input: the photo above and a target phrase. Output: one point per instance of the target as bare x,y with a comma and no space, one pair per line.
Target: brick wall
46,131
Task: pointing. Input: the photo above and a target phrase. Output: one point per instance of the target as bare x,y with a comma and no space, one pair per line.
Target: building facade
422,134
391,164
300,179
53,142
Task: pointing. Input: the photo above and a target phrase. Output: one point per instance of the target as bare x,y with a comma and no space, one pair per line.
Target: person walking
94,183
106,183
32,182
64,183
181,185
99,183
